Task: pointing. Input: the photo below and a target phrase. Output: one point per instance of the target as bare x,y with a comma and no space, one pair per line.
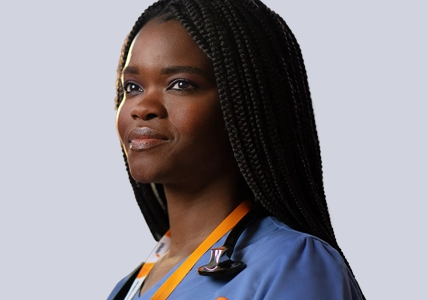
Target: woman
216,123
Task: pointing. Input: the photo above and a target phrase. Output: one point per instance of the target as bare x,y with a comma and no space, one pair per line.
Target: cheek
201,117
121,122
202,127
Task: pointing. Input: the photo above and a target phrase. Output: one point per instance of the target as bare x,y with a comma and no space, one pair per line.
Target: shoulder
117,288
283,260
278,238
122,287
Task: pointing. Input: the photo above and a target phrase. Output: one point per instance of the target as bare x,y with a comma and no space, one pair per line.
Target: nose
149,106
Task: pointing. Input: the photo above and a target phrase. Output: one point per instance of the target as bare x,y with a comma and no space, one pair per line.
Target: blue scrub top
282,263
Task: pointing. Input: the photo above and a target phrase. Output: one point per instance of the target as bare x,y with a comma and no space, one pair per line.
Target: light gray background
69,224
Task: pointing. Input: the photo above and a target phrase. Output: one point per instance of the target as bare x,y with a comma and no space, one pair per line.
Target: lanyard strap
160,249
171,283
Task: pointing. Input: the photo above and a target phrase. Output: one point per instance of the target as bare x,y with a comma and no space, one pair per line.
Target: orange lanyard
160,249
171,283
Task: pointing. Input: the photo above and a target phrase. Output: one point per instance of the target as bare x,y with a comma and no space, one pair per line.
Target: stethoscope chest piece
215,267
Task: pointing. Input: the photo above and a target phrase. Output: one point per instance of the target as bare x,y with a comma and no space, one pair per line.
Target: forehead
165,43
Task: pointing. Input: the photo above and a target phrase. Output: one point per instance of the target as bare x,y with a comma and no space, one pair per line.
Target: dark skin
171,127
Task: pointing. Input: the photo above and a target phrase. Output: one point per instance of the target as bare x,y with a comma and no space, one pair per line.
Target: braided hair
266,104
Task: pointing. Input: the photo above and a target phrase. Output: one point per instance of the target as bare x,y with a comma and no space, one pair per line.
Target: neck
195,212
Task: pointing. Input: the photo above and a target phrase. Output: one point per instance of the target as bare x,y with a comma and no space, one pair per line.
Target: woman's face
170,122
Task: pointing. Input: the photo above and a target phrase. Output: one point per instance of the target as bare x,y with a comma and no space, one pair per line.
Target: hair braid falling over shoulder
266,104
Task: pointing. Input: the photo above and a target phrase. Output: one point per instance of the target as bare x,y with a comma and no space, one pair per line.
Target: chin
141,178
145,175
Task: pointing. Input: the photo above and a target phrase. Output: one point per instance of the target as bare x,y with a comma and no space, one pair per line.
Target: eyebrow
130,70
182,69
167,70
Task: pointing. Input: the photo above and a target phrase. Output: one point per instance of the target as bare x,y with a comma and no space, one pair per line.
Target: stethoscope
216,266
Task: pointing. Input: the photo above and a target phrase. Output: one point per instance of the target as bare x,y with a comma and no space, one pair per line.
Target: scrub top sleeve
121,283
117,288
312,270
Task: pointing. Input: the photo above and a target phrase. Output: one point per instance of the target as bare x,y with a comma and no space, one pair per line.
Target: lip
142,138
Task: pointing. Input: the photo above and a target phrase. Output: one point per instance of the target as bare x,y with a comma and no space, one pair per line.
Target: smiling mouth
142,138
141,144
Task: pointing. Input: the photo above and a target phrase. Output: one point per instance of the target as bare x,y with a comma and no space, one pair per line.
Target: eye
182,85
132,88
